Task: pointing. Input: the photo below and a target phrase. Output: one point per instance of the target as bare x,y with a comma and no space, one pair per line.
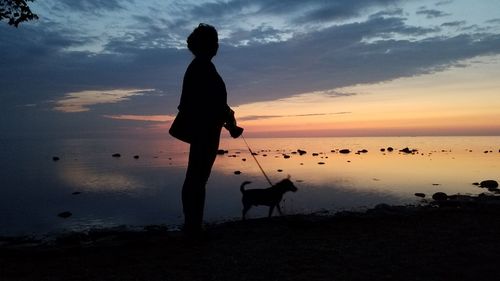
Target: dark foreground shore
386,243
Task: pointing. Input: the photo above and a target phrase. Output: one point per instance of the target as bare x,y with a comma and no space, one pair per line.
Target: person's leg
201,158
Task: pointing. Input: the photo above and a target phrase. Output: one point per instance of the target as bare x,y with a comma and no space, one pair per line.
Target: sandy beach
452,242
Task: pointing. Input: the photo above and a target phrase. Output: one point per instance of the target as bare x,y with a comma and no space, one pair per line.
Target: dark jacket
204,96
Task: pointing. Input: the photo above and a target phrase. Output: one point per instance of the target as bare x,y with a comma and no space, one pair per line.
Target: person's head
203,41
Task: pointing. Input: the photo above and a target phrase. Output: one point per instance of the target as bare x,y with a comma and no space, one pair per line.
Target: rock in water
222,152
136,156
407,150
55,158
440,196
65,215
390,149
421,195
489,184
116,155
301,152
237,172
344,151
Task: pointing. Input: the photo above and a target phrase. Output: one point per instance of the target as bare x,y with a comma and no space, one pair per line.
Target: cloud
259,35
143,118
332,57
82,101
454,23
493,21
89,5
430,13
339,10
332,93
395,12
261,117
444,2
296,11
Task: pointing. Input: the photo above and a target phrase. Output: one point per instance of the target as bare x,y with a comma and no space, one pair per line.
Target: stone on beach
421,195
237,172
440,196
390,149
301,152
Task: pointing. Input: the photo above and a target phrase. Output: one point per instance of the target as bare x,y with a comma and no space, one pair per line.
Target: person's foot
194,234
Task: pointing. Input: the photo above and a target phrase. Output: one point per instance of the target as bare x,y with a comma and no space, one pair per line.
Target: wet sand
385,243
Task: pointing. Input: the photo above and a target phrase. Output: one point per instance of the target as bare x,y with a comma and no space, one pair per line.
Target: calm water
118,191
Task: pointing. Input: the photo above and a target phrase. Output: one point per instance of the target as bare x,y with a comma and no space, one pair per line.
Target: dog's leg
271,208
279,209
245,210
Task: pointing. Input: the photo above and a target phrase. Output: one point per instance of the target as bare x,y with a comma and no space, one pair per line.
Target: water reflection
146,190
89,179
444,164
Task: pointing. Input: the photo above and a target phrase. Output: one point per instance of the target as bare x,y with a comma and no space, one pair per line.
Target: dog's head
287,185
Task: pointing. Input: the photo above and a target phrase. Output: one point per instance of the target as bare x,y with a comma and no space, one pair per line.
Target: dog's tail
242,186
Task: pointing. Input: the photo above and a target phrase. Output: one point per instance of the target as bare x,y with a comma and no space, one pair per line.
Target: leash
256,161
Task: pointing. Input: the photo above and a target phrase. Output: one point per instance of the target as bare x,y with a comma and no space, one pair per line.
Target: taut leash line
256,161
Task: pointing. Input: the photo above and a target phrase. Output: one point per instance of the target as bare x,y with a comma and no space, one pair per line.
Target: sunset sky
292,67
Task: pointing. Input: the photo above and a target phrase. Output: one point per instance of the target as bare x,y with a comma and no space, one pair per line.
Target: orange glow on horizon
458,101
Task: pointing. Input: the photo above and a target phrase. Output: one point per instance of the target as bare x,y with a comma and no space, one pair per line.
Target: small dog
268,197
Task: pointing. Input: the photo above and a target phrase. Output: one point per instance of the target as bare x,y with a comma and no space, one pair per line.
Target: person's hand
231,126
235,131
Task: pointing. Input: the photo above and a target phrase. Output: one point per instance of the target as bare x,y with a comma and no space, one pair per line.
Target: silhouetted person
204,104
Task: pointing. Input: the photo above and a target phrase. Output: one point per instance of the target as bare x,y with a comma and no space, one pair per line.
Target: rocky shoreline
451,239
